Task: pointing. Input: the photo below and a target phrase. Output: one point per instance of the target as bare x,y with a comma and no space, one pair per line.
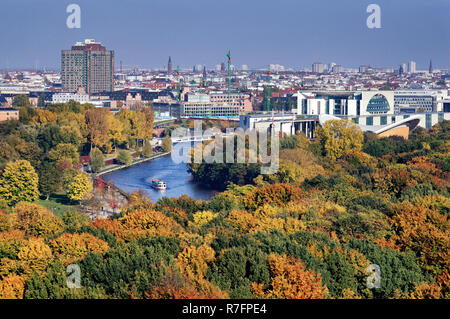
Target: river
179,181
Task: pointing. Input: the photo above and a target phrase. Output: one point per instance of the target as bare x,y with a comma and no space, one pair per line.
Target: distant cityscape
90,74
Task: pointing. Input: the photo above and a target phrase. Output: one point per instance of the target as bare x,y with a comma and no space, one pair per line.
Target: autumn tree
68,248
97,126
193,263
115,131
130,122
80,188
291,280
145,123
337,136
19,182
36,220
12,286
35,255
44,117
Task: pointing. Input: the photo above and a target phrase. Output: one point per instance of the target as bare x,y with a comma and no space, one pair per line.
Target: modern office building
89,65
318,67
240,101
206,109
345,103
412,67
363,68
418,101
337,68
371,108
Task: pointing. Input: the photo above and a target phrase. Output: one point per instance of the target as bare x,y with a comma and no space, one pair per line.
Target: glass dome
378,104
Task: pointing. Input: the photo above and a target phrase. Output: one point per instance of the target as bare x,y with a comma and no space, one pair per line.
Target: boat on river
159,184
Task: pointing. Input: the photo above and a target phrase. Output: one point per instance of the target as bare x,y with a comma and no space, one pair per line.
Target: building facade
68,96
88,64
7,114
419,101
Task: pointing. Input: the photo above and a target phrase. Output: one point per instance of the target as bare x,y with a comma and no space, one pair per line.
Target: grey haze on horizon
294,33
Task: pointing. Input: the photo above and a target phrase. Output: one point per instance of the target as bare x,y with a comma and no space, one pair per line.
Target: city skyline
146,34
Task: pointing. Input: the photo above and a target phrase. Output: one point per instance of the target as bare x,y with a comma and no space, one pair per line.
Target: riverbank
118,167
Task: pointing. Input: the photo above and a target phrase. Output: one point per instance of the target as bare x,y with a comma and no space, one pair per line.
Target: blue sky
293,33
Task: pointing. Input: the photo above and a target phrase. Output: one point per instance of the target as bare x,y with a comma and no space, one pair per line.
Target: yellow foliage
80,188
203,218
193,264
338,136
35,255
36,220
265,211
69,248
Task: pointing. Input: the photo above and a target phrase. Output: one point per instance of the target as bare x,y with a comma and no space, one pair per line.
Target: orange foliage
424,231
12,287
291,280
139,223
426,291
11,241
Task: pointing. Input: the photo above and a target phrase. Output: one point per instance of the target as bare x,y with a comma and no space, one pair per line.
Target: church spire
169,66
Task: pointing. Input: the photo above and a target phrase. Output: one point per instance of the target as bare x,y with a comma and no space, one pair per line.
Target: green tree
124,157
96,160
19,182
21,100
41,100
49,136
338,136
65,152
49,179
26,114
166,143
147,149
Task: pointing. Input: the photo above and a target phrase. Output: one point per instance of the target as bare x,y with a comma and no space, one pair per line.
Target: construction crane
229,77
268,91
177,71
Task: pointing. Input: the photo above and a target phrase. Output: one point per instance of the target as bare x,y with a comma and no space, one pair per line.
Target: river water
139,177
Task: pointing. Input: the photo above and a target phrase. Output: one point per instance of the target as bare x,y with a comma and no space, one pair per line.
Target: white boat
159,184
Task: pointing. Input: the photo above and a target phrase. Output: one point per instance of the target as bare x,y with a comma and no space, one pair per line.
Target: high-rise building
363,69
222,67
412,67
318,67
169,66
430,69
404,67
337,68
89,65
